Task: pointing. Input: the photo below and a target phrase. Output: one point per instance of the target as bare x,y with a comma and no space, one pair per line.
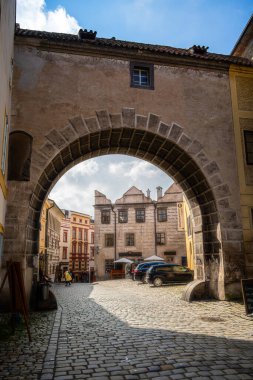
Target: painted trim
1,229
3,185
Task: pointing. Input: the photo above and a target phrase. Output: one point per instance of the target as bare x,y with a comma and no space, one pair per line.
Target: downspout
115,237
155,205
46,240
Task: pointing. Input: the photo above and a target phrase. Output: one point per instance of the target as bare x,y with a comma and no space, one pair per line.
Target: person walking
68,278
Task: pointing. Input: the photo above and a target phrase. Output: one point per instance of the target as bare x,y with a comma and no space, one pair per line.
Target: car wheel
158,281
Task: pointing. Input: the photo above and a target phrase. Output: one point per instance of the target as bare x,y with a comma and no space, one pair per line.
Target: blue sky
180,23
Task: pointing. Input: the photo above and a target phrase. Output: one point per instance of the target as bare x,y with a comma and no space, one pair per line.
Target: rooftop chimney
159,192
148,193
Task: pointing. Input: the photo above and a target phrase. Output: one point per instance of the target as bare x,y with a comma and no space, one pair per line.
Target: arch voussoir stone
141,122
153,122
56,138
128,116
79,125
104,119
116,120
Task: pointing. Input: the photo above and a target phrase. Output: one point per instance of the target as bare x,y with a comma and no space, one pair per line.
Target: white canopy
124,261
154,258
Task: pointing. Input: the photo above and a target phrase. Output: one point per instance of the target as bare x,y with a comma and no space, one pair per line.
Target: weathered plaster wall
53,89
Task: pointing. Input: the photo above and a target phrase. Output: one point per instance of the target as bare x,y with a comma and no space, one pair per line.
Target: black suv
141,269
164,274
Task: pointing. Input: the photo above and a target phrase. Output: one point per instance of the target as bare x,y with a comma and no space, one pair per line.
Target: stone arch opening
158,150
217,230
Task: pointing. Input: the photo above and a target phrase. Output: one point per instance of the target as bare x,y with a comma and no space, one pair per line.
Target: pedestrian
68,278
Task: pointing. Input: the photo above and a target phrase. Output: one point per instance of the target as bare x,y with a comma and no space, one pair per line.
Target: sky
179,23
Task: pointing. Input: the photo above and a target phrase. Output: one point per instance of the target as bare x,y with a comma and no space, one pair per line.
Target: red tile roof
165,51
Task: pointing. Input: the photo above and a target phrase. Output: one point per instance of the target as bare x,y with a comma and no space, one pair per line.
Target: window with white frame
109,240
129,239
142,75
162,214
160,238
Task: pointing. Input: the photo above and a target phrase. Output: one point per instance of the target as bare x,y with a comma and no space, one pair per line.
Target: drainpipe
46,240
115,238
155,227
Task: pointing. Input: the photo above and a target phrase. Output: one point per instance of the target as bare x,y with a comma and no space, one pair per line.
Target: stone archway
216,228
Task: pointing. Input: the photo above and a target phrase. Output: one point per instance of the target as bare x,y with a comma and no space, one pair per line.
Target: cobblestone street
121,330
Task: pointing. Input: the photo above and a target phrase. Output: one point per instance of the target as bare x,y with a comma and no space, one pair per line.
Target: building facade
49,242
65,244
241,83
7,30
136,227
77,245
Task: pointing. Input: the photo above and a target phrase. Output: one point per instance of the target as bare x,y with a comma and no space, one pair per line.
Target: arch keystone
116,120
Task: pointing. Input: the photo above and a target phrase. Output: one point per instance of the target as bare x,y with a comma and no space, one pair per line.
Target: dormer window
142,75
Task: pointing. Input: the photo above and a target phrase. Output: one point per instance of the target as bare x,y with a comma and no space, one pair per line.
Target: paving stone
110,331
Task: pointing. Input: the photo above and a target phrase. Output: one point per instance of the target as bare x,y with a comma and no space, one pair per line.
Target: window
85,238
162,215
189,226
74,233
248,141
4,146
80,248
160,238
64,253
74,219
130,239
80,234
74,248
140,215
105,216
65,236
85,249
180,269
92,238
91,252
180,216
123,216
109,240
80,265
142,75
80,220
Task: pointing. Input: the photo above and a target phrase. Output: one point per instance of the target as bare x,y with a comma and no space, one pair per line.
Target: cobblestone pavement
120,330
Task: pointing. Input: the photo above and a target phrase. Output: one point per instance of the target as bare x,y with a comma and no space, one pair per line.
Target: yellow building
7,28
50,228
241,82
188,234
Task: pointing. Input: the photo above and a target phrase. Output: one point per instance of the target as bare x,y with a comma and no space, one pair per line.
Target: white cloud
89,168
112,175
134,169
31,14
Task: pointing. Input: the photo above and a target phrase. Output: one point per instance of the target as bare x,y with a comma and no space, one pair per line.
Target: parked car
141,269
165,274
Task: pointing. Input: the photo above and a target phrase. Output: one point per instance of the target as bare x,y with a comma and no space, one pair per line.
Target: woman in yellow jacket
68,278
